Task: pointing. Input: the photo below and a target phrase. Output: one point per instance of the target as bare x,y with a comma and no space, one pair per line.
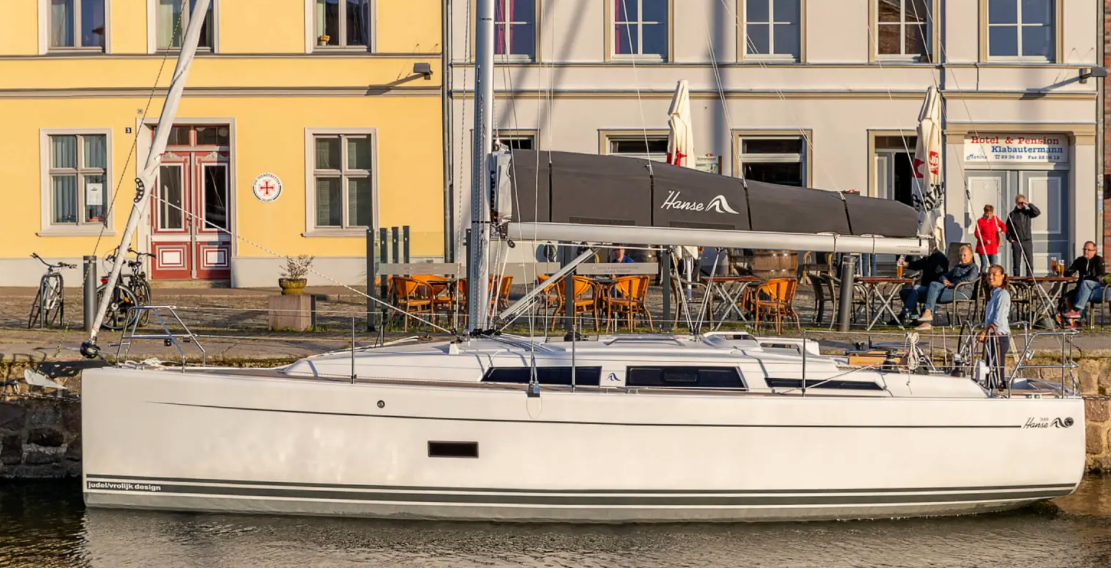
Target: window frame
152,30
311,37
516,57
48,227
742,37
611,26
805,158
605,137
985,36
44,31
345,230
933,14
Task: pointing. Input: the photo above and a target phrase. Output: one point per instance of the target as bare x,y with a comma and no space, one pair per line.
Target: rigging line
460,231
763,65
636,80
324,276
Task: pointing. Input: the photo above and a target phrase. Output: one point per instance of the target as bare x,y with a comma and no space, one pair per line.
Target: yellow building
321,94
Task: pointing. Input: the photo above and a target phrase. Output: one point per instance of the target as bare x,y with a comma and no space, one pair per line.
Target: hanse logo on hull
1047,423
718,204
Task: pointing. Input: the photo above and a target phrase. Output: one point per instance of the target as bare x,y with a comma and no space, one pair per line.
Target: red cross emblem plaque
267,187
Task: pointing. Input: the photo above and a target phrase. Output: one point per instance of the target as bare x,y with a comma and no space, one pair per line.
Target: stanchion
845,305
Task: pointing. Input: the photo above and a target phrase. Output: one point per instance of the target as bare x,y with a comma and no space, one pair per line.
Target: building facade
812,92
323,95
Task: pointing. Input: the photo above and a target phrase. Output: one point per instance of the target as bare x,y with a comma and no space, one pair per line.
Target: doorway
1046,189
191,206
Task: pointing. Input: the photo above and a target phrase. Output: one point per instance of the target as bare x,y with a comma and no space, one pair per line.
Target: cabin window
515,29
77,24
701,377
453,449
773,29
903,29
172,19
343,192
342,23
77,174
822,384
584,376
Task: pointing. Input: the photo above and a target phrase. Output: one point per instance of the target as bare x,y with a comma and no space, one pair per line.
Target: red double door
192,215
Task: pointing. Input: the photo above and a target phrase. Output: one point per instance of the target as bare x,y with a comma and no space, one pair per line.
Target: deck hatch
452,449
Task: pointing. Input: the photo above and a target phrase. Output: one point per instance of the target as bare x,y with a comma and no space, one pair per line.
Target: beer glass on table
1053,265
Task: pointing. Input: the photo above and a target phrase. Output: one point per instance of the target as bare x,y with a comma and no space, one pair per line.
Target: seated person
620,257
931,269
1091,271
943,289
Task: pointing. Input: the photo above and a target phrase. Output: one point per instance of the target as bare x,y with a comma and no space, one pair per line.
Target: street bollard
89,290
845,305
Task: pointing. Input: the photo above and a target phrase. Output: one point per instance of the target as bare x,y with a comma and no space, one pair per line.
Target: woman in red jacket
989,231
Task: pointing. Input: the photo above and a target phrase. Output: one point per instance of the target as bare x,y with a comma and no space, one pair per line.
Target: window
652,147
516,141
1021,29
77,24
773,29
584,376
822,384
702,377
641,29
903,29
774,159
515,29
895,168
78,188
172,19
343,185
342,23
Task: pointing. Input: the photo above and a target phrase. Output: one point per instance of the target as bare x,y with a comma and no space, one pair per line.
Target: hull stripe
637,424
575,500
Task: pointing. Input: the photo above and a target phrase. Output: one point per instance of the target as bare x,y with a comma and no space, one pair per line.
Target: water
45,524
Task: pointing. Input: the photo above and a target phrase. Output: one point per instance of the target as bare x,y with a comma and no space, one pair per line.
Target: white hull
210,442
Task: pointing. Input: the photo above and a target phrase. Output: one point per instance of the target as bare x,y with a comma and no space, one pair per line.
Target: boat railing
1067,365
139,315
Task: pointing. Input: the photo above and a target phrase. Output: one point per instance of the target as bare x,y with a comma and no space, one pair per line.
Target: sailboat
654,428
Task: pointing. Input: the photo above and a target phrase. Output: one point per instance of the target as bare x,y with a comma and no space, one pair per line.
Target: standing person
1091,270
1020,236
997,329
988,230
944,290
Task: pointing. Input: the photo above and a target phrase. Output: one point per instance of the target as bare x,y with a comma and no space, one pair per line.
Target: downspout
447,100
145,181
1101,143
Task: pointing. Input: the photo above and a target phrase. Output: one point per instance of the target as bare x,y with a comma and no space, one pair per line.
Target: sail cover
588,189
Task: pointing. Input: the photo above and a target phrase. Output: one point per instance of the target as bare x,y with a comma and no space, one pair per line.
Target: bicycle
131,290
50,301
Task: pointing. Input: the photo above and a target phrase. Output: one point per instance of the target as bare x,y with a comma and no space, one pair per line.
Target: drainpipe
445,98
149,171
1101,114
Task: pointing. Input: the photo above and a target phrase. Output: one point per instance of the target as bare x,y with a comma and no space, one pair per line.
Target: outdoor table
1044,304
886,290
731,289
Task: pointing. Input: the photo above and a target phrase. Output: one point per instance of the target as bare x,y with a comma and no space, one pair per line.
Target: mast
478,269
145,181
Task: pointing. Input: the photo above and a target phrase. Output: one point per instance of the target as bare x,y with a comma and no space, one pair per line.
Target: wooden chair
411,296
679,286
582,303
776,298
443,296
627,296
499,298
552,301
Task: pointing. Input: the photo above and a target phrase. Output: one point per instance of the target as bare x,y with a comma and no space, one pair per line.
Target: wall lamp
1097,72
425,70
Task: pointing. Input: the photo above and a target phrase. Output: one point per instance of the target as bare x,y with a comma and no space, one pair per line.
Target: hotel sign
1016,148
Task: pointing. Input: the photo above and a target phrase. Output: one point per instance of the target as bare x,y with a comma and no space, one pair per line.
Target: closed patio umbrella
680,152
929,195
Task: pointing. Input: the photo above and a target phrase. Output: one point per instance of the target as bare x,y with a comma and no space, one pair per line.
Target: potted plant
293,278
323,40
